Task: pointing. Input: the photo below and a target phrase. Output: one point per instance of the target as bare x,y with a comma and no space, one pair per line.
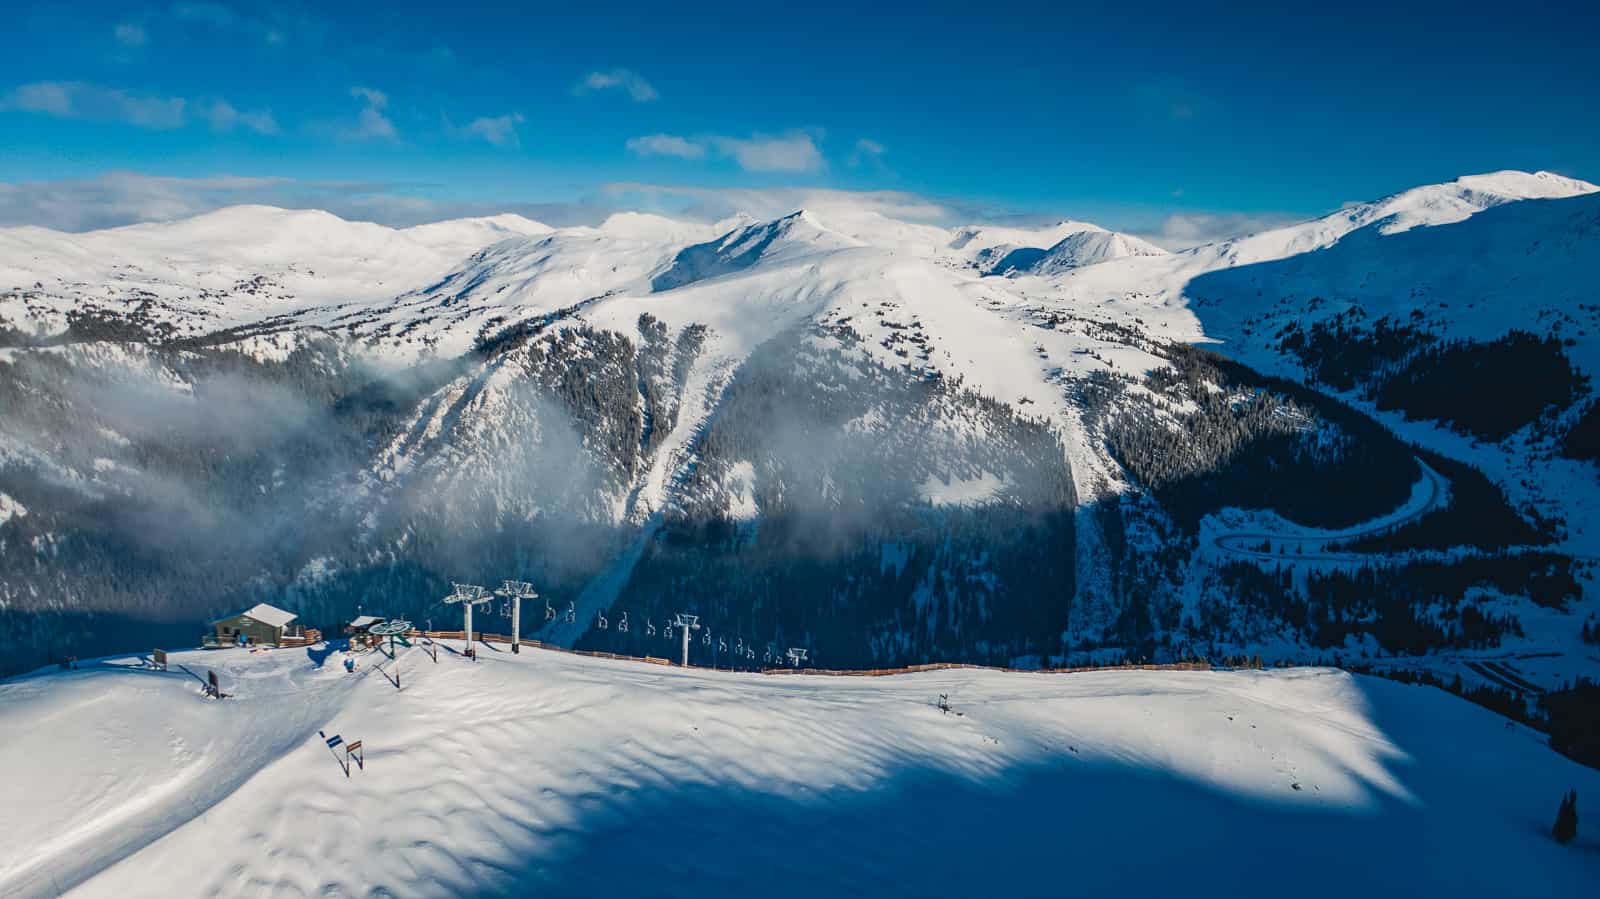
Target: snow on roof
365,621
272,616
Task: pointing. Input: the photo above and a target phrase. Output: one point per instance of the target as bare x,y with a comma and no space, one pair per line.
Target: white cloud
374,98
713,203
666,145
867,150
1182,230
80,100
129,35
93,102
270,25
225,118
499,130
628,80
795,151
370,123
122,198
213,14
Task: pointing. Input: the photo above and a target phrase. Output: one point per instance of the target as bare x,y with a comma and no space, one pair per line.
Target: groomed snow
555,775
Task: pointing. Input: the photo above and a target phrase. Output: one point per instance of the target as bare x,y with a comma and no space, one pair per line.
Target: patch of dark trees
1488,390
984,586
1409,608
1573,719
1343,354
1485,389
1219,434
1583,439
136,325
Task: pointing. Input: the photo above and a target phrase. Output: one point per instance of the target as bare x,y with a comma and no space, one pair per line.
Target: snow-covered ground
550,774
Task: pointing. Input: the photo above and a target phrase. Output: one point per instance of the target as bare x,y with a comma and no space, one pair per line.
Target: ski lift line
468,595
678,628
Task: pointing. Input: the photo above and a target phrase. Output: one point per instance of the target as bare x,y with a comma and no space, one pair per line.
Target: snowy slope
233,267
560,775
1162,280
1518,265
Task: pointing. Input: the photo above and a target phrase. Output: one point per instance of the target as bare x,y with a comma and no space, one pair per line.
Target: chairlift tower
517,591
686,623
392,628
468,595
797,654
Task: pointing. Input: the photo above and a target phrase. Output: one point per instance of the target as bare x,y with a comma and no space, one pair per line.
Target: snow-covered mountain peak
1065,245
973,238
232,267
798,233
1425,206
1526,186
1089,247
1453,201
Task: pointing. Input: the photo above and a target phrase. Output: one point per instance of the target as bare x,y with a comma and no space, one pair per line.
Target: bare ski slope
554,775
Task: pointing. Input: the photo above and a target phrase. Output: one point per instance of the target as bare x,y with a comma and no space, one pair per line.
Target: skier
349,665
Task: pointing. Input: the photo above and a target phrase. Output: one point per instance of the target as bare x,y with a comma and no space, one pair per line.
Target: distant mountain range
888,441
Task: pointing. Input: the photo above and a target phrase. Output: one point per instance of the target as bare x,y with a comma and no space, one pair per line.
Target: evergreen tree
1566,829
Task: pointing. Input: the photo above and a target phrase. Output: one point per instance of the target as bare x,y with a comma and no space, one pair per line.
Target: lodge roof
271,616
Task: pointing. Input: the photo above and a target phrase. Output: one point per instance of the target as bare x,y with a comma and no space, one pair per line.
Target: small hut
263,624
356,630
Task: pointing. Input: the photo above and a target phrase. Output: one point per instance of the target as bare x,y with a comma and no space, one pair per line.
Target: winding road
1312,545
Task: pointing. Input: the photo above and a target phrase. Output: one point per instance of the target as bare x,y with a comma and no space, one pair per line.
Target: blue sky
1150,118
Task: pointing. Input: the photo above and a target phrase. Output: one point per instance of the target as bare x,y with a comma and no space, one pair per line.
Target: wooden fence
826,672
306,638
943,666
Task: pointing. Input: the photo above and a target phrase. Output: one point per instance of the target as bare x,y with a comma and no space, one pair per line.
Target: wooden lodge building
262,625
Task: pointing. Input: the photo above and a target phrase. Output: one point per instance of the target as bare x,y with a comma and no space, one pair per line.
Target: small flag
335,740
